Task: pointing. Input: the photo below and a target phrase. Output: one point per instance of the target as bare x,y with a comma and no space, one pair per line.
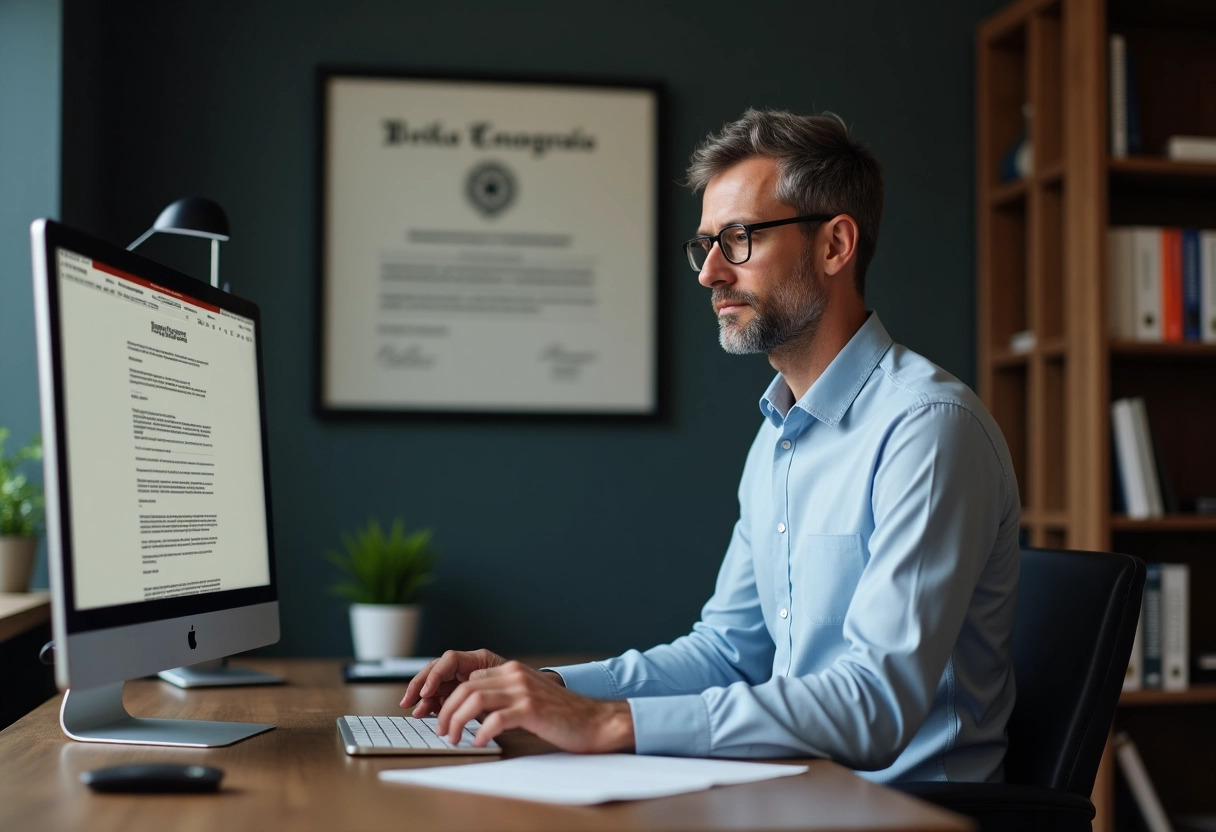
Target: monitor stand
215,674
98,715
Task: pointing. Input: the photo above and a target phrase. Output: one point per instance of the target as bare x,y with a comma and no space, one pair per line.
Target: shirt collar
834,391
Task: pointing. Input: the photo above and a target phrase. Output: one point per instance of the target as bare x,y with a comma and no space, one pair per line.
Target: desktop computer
157,482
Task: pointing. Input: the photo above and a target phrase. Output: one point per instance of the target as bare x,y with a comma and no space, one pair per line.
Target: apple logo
190,638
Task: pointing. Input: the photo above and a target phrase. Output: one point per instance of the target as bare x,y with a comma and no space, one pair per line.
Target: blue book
1151,615
1132,99
1192,327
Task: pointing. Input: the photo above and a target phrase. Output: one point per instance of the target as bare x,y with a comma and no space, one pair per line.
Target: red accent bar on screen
147,284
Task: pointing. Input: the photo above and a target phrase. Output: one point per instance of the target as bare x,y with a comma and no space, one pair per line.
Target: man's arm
729,644
937,502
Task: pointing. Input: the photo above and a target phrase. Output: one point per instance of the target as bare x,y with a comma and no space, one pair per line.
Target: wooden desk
25,683
298,777
22,611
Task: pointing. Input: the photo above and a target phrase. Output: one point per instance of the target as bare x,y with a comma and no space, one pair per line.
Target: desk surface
21,611
298,777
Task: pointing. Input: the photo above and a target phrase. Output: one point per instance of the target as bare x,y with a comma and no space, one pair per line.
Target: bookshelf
1048,367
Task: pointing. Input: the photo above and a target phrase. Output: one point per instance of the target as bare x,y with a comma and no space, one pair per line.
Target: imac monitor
157,481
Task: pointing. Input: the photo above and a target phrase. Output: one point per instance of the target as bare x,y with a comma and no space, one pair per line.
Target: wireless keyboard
405,735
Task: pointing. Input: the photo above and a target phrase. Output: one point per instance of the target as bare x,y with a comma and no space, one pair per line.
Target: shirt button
785,443
781,528
784,613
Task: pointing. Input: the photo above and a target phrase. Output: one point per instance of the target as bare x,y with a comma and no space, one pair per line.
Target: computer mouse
153,777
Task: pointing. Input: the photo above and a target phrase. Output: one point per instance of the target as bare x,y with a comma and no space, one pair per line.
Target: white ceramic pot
384,631
16,563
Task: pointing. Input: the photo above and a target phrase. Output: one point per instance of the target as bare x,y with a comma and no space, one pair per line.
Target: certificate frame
510,294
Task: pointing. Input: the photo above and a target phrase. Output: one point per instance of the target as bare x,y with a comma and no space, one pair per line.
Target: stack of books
1160,658
1162,283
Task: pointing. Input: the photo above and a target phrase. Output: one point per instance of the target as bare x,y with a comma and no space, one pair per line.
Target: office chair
1072,637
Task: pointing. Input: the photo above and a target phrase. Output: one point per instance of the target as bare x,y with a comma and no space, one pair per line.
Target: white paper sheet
590,778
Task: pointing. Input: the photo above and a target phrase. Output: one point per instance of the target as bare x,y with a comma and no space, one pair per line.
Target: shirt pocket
825,574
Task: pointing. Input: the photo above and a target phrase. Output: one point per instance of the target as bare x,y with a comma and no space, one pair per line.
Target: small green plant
20,500
384,569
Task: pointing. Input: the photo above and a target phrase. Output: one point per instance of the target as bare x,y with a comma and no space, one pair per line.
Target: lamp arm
141,238
215,263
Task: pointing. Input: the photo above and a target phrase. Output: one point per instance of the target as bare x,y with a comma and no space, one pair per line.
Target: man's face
776,297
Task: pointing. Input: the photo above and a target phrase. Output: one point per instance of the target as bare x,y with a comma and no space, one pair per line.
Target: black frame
748,227
660,395
142,612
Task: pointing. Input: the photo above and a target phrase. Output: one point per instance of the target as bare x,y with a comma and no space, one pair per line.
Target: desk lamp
193,216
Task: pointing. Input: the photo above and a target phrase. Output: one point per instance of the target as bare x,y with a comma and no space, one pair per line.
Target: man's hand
435,682
513,695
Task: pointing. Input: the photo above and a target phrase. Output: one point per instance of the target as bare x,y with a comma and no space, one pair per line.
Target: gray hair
822,169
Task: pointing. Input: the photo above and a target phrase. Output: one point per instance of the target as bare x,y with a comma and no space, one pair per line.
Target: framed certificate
487,246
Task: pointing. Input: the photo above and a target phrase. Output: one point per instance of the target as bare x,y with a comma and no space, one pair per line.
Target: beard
791,312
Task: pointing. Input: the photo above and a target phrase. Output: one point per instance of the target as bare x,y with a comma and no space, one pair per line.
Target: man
864,607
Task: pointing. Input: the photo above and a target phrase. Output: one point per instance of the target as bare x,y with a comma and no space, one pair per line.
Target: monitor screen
158,503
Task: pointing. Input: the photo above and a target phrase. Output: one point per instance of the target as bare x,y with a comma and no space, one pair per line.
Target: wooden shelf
1156,167
1194,695
1009,193
1008,358
1162,349
1052,174
1169,523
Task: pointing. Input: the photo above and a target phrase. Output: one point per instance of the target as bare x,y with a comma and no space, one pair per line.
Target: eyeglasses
735,240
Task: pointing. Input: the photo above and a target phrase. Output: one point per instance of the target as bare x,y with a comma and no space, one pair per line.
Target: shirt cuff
590,679
677,726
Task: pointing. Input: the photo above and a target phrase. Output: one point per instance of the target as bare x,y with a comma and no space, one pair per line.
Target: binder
1175,626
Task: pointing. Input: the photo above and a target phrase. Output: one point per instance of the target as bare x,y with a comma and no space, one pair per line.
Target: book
1164,482
1207,289
1175,626
1191,307
1117,94
1150,483
1127,459
1151,613
1171,284
1131,766
1120,283
1131,97
1146,264
1191,148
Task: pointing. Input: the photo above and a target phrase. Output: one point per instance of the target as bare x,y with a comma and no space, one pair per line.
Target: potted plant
20,516
384,573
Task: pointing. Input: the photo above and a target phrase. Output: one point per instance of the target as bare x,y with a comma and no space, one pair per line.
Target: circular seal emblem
490,187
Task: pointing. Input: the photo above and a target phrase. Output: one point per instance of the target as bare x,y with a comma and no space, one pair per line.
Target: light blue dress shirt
864,608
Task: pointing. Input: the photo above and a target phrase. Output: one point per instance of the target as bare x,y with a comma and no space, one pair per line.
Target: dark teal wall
29,188
554,536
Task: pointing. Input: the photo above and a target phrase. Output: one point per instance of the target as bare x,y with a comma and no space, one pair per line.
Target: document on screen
163,428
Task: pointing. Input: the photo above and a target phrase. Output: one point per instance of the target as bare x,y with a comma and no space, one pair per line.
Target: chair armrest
1007,806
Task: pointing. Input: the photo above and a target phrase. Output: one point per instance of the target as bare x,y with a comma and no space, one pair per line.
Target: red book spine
1171,284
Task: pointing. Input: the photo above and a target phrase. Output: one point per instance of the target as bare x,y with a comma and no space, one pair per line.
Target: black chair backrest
1076,620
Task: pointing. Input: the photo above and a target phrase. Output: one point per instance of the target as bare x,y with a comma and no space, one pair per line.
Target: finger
443,669
443,689
492,726
426,707
474,704
413,691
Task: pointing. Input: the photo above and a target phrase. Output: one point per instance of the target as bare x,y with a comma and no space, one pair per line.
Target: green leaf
21,501
383,568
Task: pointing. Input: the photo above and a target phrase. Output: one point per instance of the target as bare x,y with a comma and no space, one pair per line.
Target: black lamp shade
195,216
